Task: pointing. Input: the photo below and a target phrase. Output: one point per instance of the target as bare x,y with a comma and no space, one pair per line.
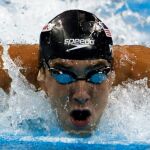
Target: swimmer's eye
63,77
98,76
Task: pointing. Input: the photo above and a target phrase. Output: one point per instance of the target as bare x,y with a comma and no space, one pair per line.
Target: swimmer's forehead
72,63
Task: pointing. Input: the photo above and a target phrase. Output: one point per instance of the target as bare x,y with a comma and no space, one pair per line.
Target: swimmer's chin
81,133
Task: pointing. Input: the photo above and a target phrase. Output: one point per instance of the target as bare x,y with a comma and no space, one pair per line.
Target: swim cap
75,34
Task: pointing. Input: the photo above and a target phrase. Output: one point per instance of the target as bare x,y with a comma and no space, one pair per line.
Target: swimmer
76,68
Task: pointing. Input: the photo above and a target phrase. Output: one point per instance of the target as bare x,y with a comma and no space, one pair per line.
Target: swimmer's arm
131,62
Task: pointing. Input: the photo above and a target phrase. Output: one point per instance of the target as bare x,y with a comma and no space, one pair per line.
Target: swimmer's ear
41,75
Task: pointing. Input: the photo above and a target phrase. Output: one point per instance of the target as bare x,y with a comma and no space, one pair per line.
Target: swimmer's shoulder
131,62
26,57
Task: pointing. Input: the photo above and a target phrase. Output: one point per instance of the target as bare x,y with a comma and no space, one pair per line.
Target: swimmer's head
76,68
75,34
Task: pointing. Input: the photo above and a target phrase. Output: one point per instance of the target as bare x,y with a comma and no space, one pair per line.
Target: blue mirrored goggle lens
63,78
66,77
97,78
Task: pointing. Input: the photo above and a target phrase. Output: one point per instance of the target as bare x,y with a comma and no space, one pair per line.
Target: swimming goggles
63,76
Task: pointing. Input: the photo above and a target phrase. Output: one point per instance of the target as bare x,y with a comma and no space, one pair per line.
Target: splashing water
127,112
21,101
25,19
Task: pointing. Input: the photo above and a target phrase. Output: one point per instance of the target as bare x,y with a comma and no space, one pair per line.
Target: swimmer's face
79,105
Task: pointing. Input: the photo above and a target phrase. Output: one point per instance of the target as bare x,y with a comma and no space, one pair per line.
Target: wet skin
70,100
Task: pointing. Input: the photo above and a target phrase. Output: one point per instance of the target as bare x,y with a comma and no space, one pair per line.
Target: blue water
140,6
18,143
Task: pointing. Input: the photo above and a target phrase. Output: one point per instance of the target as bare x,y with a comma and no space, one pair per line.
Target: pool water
47,143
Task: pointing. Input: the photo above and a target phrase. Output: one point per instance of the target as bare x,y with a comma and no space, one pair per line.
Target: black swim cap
75,34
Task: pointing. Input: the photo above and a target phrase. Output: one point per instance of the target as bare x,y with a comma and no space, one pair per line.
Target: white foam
127,113
24,103
22,21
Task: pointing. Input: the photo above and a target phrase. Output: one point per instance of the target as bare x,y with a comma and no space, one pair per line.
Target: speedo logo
78,43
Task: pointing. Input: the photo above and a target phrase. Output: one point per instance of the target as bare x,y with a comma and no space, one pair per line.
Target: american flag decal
107,32
48,27
45,28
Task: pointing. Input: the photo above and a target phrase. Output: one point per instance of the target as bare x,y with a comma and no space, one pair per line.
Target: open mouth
80,118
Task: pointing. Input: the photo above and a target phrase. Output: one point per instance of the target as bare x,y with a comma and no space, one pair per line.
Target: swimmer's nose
80,93
81,98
